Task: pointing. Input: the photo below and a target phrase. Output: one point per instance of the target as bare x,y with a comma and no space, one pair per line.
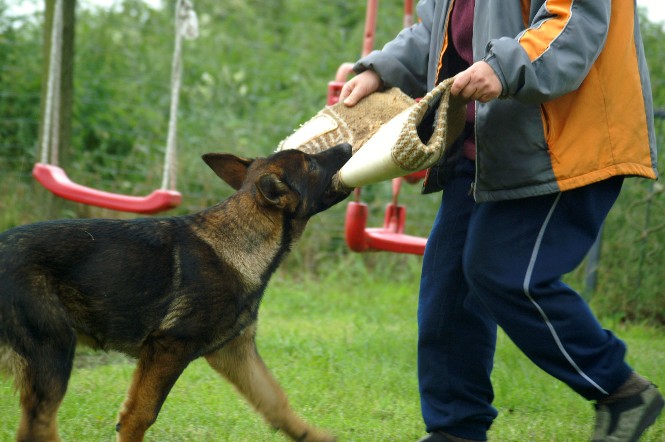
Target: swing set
389,237
56,180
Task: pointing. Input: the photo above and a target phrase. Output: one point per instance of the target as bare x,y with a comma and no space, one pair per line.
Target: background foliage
257,71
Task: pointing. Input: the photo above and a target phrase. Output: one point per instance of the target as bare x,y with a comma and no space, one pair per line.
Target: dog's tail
12,365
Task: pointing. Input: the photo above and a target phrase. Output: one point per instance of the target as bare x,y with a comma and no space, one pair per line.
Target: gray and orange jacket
576,106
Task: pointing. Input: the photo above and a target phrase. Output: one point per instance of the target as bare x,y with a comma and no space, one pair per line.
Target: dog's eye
310,164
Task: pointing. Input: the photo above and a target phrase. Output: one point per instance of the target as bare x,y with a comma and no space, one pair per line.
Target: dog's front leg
159,366
241,364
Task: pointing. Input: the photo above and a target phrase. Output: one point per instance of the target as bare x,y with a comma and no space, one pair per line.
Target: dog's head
289,180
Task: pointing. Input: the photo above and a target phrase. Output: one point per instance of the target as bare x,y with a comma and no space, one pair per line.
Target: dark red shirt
461,35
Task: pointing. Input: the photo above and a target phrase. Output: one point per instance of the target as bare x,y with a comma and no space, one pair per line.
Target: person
559,112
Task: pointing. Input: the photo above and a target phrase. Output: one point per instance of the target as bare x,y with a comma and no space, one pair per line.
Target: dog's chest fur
245,239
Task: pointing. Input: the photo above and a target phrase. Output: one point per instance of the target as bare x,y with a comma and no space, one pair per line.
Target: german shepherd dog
162,290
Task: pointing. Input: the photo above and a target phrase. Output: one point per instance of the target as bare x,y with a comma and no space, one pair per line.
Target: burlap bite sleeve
342,124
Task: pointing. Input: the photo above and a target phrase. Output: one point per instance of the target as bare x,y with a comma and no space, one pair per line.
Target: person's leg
456,336
517,252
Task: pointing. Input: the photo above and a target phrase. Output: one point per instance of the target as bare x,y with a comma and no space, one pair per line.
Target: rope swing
55,179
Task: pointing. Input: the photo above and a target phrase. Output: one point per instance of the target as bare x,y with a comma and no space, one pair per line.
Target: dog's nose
342,148
347,148
344,151
335,157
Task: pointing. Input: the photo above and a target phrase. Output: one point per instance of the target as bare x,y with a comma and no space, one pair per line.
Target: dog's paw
314,435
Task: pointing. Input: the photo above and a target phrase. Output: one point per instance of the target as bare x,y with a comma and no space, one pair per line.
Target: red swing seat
390,237
56,180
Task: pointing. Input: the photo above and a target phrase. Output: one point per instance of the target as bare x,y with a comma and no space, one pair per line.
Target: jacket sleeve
555,53
402,62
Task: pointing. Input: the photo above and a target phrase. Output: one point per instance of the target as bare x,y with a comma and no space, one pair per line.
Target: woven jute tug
383,130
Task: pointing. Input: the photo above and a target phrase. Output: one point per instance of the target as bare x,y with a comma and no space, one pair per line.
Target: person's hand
479,82
359,87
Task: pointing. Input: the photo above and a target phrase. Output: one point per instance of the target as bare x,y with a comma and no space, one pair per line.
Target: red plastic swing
390,237
55,179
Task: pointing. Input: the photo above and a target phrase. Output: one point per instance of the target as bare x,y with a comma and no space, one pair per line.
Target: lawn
344,351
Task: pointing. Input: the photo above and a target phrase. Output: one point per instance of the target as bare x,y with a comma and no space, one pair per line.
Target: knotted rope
187,26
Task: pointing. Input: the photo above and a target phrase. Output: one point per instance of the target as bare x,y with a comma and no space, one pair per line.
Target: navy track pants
501,263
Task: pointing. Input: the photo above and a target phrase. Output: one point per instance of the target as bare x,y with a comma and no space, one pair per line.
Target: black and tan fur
165,291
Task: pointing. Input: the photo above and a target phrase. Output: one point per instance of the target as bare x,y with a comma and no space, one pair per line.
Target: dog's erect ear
228,167
271,189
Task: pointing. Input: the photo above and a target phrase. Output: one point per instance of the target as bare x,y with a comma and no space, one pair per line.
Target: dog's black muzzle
331,161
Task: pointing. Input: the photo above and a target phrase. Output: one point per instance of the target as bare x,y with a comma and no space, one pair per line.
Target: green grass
343,348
